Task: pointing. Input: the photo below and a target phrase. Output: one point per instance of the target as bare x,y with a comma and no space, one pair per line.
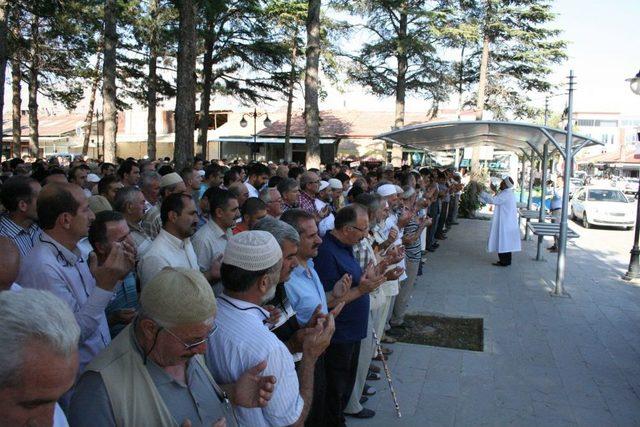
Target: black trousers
316,417
505,258
340,365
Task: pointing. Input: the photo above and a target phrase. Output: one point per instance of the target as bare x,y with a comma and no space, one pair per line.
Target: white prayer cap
386,190
399,189
170,179
178,296
335,184
508,181
254,250
92,177
201,172
323,185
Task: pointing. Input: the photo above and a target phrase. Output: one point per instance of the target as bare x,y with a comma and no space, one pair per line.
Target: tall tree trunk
16,101
205,97
3,66
16,86
288,151
401,79
311,83
185,85
460,79
109,80
34,69
92,101
152,99
484,64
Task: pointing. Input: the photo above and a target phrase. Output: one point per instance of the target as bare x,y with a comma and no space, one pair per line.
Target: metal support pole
634,261
524,160
543,188
531,176
568,157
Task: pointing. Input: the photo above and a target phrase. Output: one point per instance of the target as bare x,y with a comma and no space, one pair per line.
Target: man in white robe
504,237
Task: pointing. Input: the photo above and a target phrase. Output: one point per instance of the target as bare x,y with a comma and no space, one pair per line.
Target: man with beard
172,247
251,267
323,205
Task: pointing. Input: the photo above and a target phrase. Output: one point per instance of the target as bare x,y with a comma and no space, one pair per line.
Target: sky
603,49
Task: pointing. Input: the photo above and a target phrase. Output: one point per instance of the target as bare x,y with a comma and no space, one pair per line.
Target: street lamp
634,262
255,116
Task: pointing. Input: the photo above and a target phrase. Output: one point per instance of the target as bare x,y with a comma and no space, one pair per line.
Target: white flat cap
387,190
323,185
335,184
178,296
254,250
170,179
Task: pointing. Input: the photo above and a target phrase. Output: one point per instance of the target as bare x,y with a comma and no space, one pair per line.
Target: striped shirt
23,238
241,342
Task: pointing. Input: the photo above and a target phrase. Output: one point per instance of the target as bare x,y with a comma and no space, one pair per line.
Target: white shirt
242,341
59,419
327,223
209,242
166,251
251,189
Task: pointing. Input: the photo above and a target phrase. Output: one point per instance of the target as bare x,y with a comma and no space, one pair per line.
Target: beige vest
135,401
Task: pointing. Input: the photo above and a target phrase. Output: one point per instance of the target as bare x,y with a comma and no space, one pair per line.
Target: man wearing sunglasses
153,373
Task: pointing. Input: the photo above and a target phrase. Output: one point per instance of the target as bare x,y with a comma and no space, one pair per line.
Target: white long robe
505,231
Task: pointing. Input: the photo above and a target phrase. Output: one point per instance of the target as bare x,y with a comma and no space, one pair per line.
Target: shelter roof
512,136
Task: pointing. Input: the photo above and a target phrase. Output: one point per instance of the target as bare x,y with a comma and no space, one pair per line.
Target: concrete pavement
547,361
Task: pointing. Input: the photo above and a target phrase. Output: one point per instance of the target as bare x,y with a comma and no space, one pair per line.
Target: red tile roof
48,125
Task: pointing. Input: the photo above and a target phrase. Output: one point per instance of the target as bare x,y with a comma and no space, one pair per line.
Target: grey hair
306,178
148,177
265,194
125,195
28,316
279,229
287,185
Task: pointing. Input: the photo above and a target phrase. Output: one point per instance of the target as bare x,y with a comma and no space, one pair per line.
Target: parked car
602,206
631,186
574,185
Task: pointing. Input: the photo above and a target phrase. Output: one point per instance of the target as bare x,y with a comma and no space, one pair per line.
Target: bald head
11,263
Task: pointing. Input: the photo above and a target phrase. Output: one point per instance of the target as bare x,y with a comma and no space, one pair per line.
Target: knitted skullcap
323,185
335,184
170,179
254,250
386,190
99,203
178,296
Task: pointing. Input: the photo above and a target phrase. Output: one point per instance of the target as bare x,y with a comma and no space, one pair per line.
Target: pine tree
512,50
401,55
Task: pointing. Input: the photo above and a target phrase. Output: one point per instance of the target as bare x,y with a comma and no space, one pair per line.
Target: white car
603,206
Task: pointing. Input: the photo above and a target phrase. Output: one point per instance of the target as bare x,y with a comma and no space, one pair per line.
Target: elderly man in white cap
336,194
250,271
323,205
504,237
154,374
171,183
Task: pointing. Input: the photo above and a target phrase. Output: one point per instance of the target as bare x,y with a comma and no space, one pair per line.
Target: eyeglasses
358,228
195,344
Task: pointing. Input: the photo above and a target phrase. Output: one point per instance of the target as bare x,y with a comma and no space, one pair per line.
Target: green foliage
396,29
522,51
470,200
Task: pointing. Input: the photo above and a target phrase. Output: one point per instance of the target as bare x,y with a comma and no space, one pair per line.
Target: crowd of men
136,294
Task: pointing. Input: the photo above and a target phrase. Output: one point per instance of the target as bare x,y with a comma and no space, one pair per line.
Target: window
607,196
585,122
